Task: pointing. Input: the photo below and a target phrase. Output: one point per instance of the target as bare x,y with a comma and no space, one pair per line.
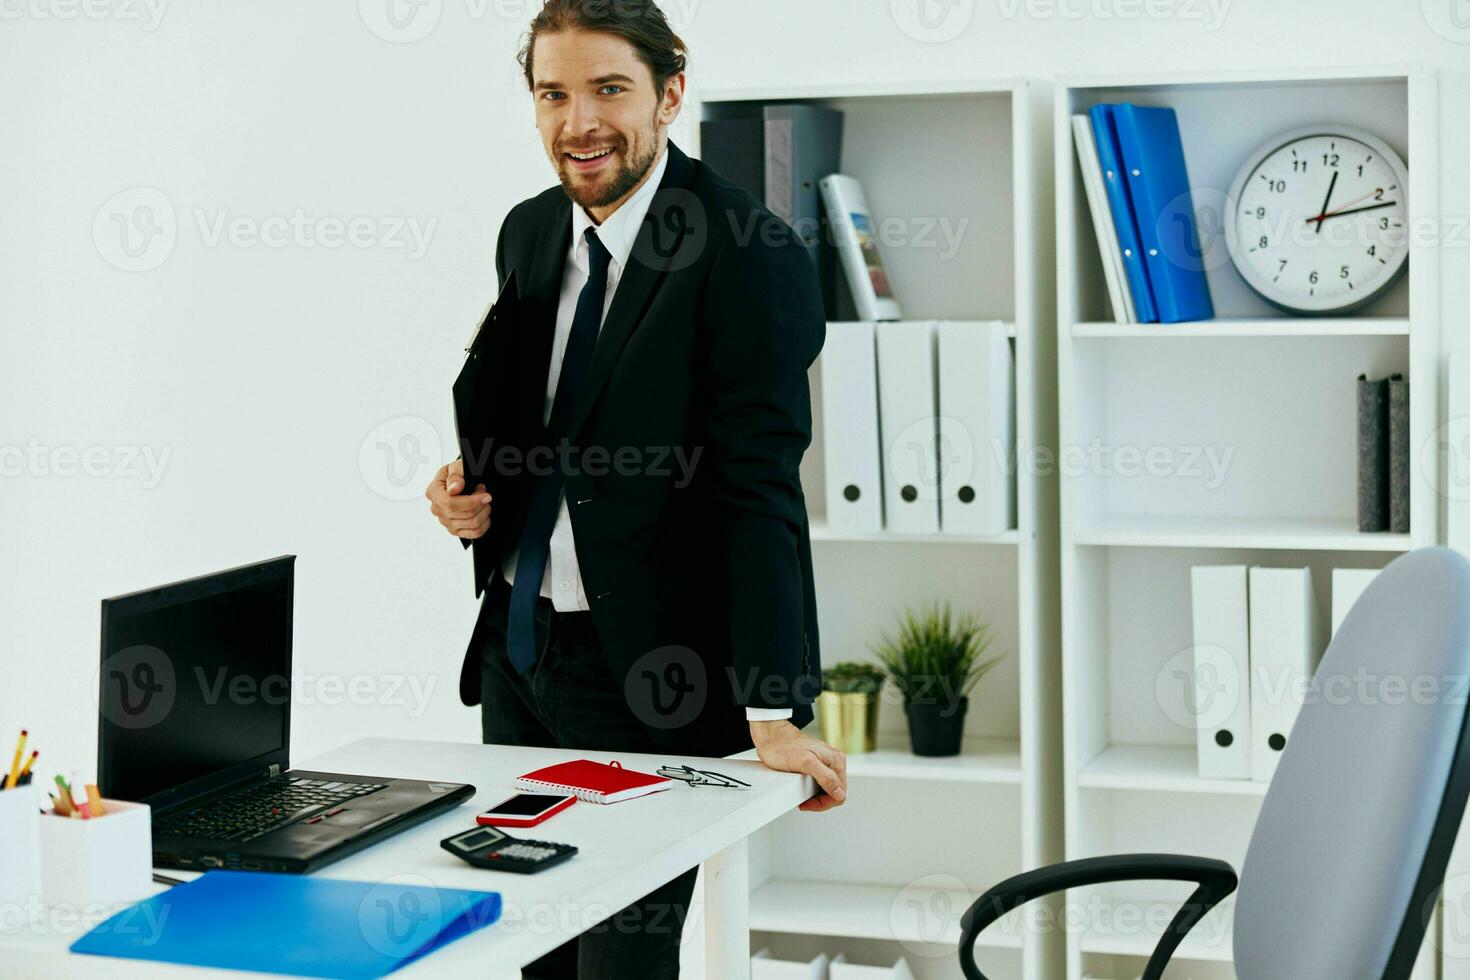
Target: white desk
626,850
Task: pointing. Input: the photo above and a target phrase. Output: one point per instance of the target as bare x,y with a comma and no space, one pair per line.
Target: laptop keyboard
262,808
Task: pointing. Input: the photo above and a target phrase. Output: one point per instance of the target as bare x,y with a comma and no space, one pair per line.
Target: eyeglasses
701,777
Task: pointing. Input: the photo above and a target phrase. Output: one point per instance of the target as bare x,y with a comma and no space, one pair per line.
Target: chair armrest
1215,879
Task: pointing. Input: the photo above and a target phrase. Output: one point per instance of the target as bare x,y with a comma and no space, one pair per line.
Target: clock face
1320,220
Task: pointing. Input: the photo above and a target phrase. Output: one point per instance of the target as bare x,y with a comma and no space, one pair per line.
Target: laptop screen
195,686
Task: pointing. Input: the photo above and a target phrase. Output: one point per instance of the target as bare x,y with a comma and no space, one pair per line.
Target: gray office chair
1349,853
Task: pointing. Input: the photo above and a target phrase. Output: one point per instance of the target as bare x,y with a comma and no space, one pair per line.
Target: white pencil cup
107,860
20,846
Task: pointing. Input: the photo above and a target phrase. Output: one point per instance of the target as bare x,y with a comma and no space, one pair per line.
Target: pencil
94,800
20,748
63,799
25,770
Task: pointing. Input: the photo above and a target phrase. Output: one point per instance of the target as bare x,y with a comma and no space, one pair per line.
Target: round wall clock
1320,220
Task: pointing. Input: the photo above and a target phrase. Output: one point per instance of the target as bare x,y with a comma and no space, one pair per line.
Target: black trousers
569,700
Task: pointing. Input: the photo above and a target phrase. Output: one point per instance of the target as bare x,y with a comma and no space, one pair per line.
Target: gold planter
849,721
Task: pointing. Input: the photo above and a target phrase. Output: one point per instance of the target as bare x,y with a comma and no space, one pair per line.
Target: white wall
264,372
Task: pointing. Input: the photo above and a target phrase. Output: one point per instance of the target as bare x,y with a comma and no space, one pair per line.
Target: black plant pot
936,728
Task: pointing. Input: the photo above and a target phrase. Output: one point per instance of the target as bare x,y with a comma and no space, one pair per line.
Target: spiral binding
586,795
540,786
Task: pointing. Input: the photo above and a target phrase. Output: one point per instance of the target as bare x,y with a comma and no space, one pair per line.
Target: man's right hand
464,515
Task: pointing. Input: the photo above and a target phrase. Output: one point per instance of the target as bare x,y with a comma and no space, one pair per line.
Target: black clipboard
479,397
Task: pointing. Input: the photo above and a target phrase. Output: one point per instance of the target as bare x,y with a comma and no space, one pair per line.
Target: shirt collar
620,229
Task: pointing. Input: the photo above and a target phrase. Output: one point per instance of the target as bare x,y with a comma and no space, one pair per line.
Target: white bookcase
1275,391
889,873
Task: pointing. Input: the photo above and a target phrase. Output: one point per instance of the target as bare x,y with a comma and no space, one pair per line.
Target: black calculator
487,847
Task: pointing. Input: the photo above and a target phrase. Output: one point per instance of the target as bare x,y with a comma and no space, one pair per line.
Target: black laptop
195,705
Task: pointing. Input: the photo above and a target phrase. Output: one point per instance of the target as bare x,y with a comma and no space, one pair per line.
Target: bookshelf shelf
972,156
821,532
1273,393
1010,325
1132,928
981,760
832,908
1158,769
1387,326
1274,533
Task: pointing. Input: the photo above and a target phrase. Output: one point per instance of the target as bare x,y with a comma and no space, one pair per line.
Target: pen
79,797
20,748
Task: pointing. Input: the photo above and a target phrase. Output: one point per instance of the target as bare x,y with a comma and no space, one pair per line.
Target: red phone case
485,820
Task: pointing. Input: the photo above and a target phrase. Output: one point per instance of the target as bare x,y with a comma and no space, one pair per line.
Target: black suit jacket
700,586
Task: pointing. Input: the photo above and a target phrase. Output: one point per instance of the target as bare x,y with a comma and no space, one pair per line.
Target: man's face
601,119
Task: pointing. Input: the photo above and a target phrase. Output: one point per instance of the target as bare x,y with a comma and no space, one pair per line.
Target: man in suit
641,499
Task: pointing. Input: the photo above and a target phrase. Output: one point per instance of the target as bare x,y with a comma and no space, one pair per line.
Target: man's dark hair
639,22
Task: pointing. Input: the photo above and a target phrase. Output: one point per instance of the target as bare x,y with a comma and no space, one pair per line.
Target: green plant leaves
937,657
852,678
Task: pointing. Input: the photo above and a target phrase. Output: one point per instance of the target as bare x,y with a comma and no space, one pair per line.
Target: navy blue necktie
535,543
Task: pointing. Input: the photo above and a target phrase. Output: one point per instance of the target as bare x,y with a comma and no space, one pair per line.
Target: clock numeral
1264,243
1261,213
1378,194
1330,160
1383,223
1342,273
1313,277
1298,166
1372,249
1279,186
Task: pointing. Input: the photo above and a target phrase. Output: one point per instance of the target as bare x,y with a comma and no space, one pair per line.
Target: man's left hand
783,747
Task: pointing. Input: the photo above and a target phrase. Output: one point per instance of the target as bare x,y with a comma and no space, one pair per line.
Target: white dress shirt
562,583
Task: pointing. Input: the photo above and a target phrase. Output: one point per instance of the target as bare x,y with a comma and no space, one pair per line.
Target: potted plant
847,708
935,661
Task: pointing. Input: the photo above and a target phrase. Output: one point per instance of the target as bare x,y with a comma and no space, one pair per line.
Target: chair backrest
1355,831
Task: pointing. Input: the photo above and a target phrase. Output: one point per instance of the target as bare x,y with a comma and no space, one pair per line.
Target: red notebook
595,782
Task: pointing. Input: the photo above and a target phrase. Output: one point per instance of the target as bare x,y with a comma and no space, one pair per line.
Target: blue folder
310,927
1163,205
1119,203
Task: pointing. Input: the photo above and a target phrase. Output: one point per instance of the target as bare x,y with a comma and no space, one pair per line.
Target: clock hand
1367,207
1354,210
1326,201
1349,204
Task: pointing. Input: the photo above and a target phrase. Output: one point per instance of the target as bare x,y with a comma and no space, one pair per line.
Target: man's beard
624,180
